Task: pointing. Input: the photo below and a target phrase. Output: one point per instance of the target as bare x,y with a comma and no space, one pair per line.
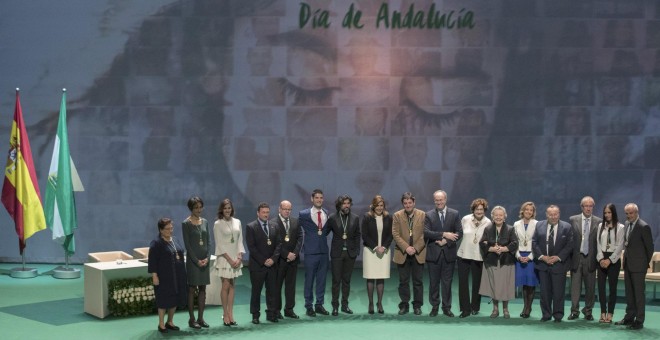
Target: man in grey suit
583,268
442,230
638,243
552,245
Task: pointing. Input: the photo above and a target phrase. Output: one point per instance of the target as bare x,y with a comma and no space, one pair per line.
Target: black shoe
545,319
573,316
346,310
417,311
233,323
291,315
557,320
434,312
172,327
335,311
321,310
279,316
380,308
636,325
464,315
310,312
589,317
403,310
227,324
475,312
273,318
255,321
162,330
624,322
448,313
202,323
193,324
371,308
524,316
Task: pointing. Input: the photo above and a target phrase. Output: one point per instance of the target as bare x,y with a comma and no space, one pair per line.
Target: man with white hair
638,243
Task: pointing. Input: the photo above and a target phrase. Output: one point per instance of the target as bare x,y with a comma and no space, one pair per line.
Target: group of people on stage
497,256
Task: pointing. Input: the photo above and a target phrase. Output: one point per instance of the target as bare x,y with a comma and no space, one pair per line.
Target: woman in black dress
198,251
168,273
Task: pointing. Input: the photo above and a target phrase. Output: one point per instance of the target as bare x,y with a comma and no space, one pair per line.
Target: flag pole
23,272
66,272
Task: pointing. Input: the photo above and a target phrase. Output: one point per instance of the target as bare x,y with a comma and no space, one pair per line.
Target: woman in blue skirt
525,274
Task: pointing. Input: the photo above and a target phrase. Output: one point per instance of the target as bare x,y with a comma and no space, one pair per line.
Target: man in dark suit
638,243
291,237
344,249
315,246
442,229
263,243
583,260
552,245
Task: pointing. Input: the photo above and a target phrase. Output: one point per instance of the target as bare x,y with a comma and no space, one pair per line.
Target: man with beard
409,253
345,247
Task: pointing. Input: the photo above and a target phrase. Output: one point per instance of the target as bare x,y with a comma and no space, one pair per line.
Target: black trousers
414,269
611,275
259,278
553,286
286,277
342,269
467,302
441,274
635,295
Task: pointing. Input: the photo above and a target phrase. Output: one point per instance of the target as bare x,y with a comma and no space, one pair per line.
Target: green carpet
48,308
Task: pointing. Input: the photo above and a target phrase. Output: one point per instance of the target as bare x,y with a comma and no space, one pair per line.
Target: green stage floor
48,308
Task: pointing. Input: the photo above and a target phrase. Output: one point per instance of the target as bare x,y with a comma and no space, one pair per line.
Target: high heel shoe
495,314
380,308
162,330
202,323
371,308
233,323
193,324
609,318
506,314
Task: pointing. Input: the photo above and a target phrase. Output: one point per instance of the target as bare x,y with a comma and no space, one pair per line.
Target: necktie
442,219
286,225
266,229
551,240
630,226
585,237
319,219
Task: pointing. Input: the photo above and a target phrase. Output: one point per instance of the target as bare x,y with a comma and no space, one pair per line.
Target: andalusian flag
60,203
20,190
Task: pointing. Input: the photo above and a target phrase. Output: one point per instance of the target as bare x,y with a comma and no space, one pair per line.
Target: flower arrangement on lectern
131,297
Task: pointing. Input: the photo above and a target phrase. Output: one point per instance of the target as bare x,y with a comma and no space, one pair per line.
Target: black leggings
611,273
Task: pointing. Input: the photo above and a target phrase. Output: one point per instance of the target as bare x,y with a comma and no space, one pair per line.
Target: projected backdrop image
512,101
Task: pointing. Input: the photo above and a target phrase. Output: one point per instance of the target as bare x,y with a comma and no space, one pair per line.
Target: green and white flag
60,207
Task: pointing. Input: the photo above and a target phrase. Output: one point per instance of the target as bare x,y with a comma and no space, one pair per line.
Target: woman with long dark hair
609,249
229,251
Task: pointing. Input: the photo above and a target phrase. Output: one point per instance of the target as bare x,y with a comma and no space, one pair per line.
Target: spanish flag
20,191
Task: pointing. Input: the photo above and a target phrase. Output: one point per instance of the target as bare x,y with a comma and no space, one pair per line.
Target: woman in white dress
609,246
229,251
377,238
525,274
469,257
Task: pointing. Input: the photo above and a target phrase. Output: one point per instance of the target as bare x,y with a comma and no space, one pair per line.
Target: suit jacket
563,246
352,240
639,249
576,223
433,232
370,231
313,243
295,237
401,236
257,243
507,238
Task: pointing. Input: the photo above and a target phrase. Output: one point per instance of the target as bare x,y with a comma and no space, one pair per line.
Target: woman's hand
155,280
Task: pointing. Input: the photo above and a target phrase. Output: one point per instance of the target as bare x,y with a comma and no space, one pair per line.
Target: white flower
131,299
119,301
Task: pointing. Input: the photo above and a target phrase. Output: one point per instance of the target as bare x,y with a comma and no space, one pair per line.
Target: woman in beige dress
229,251
377,238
